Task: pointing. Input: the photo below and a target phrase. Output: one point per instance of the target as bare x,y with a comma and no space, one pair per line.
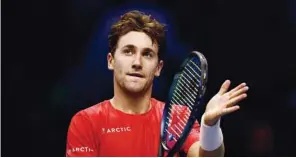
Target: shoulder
93,113
157,104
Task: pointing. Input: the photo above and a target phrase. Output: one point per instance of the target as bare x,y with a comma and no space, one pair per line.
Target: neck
131,103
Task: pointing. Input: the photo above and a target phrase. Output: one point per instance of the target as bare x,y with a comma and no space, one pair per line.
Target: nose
137,62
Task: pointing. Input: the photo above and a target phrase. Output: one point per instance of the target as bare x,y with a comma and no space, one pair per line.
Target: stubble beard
134,89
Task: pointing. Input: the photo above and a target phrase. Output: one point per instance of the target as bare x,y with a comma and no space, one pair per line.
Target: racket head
186,92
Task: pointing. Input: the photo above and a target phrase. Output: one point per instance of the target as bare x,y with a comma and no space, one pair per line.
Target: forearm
196,151
211,139
211,142
219,152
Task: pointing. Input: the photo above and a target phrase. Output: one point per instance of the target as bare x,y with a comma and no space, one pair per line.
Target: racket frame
193,116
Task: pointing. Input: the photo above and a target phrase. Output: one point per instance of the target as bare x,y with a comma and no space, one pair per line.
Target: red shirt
102,130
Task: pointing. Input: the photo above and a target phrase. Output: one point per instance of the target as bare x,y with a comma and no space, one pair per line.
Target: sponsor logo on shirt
116,130
80,149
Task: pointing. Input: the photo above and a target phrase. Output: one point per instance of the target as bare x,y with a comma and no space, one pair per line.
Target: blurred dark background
54,64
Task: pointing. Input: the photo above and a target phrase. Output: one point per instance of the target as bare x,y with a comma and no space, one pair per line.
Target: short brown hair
137,21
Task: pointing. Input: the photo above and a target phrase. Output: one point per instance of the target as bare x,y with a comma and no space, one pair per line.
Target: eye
148,54
128,52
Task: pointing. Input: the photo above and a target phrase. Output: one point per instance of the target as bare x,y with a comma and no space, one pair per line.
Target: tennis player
129,123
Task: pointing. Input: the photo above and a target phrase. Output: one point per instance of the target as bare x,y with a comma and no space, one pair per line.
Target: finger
229,110
235,100
239,92
237,88
224,87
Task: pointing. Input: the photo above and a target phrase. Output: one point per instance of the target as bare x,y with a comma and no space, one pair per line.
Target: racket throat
163,144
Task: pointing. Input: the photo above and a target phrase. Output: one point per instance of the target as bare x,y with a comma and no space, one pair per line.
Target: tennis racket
185,95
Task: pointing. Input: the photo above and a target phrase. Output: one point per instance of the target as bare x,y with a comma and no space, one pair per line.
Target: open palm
224,102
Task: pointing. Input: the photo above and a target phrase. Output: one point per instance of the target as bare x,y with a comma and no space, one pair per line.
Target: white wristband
211,137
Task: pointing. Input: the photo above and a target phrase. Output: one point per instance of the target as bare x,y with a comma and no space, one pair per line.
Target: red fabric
102,130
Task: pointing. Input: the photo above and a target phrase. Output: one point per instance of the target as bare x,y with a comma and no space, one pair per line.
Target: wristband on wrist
211,137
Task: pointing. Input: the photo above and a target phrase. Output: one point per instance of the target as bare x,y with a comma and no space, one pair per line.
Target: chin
135,89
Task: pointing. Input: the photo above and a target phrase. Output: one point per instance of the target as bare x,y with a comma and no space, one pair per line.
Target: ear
110,60
159,68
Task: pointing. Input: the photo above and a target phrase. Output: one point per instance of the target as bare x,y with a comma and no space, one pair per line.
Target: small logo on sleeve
80,149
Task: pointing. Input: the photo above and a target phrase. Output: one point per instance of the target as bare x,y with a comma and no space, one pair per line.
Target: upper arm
81,140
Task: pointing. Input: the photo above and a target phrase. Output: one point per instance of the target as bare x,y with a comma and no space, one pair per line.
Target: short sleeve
81,140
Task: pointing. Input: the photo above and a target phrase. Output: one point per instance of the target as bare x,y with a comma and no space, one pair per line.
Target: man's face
135,62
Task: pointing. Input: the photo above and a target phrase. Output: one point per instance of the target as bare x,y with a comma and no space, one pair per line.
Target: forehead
138,39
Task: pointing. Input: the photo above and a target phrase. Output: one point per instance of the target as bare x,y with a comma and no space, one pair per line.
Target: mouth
136,75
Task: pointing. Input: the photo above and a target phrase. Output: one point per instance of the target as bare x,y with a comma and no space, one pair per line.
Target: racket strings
186,95
183,99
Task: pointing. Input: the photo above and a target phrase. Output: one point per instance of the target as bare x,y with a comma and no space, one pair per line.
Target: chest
134,136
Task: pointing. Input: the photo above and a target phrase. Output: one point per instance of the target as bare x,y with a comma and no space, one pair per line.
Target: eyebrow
150,50
130,46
